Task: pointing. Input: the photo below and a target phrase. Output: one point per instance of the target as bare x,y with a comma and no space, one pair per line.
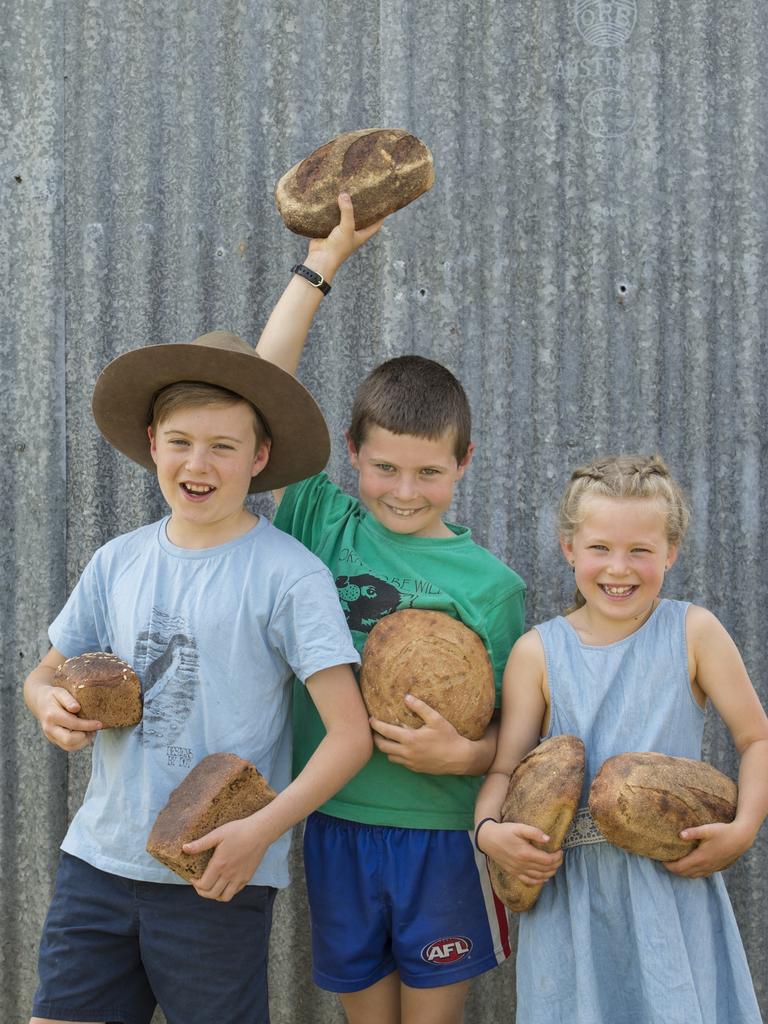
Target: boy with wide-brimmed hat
216,610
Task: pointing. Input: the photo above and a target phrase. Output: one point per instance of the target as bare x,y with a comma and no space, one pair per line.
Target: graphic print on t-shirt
366,599
168,654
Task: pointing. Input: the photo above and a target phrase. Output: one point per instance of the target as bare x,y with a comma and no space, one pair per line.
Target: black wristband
315,279
479,826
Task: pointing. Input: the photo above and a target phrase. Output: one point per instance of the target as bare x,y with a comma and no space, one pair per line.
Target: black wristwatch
315,279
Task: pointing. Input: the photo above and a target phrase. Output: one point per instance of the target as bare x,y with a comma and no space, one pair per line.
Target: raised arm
283,337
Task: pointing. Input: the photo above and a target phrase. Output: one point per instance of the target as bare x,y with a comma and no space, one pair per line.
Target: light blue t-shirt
216,636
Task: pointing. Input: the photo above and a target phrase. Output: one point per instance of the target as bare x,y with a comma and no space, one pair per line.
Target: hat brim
124,392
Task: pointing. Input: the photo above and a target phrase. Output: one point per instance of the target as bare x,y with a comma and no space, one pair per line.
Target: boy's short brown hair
412,395
187,394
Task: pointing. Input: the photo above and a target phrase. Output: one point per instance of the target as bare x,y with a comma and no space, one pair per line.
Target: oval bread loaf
641,801
220,788
106,688
382,169
544,791
434,657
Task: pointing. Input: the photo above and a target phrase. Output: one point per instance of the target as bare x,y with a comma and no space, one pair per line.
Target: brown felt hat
126,388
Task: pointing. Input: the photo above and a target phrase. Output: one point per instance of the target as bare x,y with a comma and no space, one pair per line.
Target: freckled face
206,458
407,482
620,553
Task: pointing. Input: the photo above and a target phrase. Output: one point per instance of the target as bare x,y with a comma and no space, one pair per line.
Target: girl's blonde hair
623,476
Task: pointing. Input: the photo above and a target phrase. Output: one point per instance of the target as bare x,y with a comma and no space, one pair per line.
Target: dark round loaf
432,656
382,169
106,688
641,802
544,791
221,788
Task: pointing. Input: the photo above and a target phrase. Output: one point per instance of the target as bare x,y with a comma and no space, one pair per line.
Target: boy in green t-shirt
403,915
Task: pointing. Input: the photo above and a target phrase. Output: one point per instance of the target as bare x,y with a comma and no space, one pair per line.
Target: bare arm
524,708
282,340
719,672
55,708
240,845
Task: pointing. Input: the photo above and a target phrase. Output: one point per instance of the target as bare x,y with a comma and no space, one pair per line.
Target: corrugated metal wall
590,262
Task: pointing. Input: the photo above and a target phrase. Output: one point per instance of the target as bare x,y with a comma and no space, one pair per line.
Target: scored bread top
544,791
642,800
382,169
434,657
96,668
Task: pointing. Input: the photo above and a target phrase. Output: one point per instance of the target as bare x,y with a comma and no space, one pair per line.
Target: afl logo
605,22
447,951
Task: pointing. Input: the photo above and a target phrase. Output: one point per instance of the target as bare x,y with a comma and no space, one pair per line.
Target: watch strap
315,279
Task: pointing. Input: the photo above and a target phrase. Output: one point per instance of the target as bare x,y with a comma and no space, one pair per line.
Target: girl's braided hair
623,476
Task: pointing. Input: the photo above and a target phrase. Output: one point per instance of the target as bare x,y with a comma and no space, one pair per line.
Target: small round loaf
106,688
544,791
434,657
219,789
382,169
641,802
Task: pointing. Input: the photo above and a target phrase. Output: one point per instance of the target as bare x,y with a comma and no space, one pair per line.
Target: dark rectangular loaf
221,788
106,688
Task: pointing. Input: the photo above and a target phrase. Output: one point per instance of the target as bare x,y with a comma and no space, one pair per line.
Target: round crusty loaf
641,801
434,657
220,788
544,791
106,688
382,169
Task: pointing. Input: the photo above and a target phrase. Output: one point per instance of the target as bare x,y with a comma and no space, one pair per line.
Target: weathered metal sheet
590,262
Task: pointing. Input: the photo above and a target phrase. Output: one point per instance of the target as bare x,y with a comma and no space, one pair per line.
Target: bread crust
641,801
382,169
544,791
106,688
221,788
434,657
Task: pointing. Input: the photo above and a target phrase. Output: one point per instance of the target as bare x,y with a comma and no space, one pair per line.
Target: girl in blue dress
616,938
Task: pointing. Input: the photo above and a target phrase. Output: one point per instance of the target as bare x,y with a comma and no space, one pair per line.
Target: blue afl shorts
383,899
113,947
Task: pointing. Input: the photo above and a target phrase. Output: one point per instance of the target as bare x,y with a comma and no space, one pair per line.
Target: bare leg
378,1004
444,1005
47,1020
391,1002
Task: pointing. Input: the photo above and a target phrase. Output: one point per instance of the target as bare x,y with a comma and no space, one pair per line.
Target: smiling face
206,457
407,482
619,553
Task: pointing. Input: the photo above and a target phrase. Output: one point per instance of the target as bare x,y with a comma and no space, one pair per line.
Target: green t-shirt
378,572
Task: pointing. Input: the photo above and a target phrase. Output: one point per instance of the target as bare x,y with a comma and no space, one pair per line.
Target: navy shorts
113,947
416,901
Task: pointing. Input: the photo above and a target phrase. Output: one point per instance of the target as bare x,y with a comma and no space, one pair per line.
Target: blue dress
615,938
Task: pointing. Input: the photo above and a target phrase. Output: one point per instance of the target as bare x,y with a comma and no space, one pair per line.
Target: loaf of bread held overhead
435,657
544,791
106,688
382,169
221,788
641,802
